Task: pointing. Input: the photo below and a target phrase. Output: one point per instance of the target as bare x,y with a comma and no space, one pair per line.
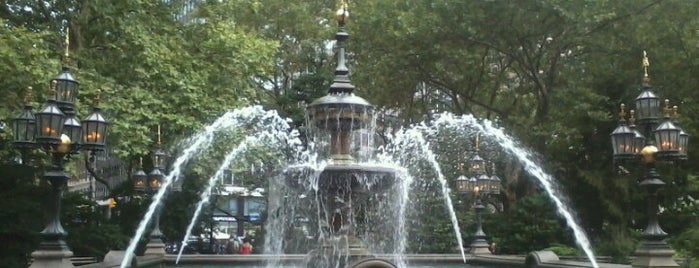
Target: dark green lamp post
479,186
56,130
149,184
661,139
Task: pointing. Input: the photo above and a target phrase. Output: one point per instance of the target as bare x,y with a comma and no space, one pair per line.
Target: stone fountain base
338,252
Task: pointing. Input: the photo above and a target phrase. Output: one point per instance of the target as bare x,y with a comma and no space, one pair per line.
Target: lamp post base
654,254
480,247
52,254
155,247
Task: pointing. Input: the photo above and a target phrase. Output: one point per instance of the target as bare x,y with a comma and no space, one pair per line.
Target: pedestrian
246,248
230,247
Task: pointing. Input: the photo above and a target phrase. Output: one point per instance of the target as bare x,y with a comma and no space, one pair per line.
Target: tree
20,236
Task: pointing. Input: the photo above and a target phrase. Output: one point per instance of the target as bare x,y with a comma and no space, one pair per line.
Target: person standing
246,247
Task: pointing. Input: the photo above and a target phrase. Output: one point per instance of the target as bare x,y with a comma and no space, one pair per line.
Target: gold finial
158,135
52,85
622,111
28,97
646,64
66,55
667,108
632,118
97,98
52,90
478,137
675,112
342,14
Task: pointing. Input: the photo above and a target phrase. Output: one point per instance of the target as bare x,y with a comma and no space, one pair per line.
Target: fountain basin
357,178
340,111
297,261
534,259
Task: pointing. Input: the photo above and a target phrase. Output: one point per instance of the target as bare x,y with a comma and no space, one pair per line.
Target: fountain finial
341,83
646,64
342,14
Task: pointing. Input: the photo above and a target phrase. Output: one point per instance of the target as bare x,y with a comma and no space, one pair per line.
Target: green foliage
563,250
530,225
618,243
429,229
687,242
90,233
22,214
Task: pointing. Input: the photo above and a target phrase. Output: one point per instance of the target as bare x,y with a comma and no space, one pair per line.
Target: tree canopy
551,72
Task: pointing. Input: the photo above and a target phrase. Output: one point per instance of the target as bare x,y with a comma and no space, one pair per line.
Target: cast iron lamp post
57,131
149,184
480,186
666,142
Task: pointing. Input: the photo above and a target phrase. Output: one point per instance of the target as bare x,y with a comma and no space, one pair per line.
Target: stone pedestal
53,250
155,247
654,254
479,247
52,254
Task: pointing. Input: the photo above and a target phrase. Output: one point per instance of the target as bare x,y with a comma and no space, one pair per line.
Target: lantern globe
667,138
462,184
155,180
473,185
66,89
49,124
477,164
73,129
94,134
623,141
648,106
683,143
495,184
140,179
158,156
24,128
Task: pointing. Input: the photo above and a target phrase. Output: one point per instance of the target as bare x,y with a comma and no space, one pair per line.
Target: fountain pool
301,266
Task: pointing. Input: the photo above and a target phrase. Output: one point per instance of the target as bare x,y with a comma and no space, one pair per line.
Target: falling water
196,144
405,148
510,145
401,232
206,194
269,136
412,139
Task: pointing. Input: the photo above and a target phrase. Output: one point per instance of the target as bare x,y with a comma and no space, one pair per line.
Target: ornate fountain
341,125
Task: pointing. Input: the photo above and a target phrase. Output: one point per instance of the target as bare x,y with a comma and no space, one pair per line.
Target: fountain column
336,122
